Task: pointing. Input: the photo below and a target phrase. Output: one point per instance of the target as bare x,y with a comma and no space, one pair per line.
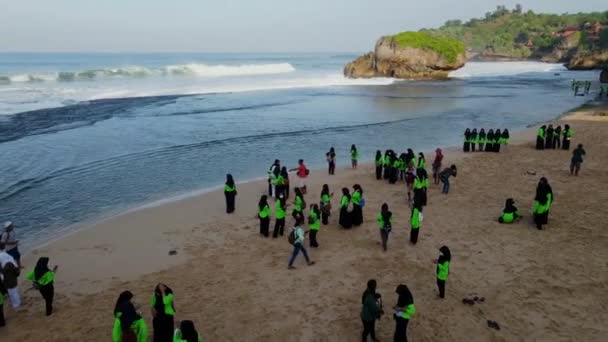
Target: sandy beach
546,285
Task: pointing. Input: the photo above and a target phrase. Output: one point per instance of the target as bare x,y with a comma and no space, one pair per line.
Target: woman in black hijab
163,312
490,141
403,313
497,136
379,161
264,215
285,186
371,310
540,137
482,139
549,138
467,140
474,139
443,269
345,216
357,214
230,193
43,279
542,203
128,324
187,332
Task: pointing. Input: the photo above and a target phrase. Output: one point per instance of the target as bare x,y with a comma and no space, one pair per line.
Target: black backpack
292,237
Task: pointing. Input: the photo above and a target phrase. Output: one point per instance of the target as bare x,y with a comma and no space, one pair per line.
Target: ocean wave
489,69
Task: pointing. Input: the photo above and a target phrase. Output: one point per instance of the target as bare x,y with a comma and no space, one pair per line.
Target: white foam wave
205,70
485,69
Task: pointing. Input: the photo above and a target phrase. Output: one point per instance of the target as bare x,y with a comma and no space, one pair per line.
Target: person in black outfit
549,137
540,142
544,193
345,216
379,163
393,169
264,221
331,161
445,256
467,140
229,193
162,322
325,206
566,140
497,136
490,141
505,135
405,300
386,169
474,137
47,290
279,224
371,311
482,139
557,135
3,293
420,195
273,171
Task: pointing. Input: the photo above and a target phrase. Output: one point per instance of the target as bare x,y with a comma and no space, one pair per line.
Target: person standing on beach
325,204
371,311
394,170
9,270
299,205
497,137
568,133
331,161
490,141
9,239
467,140
354,156
129,326
404,310
284,175
421,164
505,137
279,214
186,332
357,215
482,139
264,215
314,223
385,223
474,139
379,161
163,311
298,246
345,216
549,137
443,269
437,164
272,173
302,173
279,183
421,183
415,220
577,160
43,279
542,203
557,136
510,213
540,137
229,193
445,177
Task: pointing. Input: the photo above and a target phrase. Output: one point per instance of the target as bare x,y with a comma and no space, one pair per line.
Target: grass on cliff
448,48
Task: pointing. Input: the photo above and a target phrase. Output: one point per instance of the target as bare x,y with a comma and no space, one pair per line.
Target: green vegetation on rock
449,48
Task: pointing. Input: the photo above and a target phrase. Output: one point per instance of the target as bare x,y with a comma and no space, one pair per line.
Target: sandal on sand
468,301
493,324
311,263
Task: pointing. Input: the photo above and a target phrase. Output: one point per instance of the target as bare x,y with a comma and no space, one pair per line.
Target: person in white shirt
9,238
10,272
298,246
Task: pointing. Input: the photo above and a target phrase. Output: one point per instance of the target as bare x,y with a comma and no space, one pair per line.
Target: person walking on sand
345,215
577,160
279,214
482,139
437,164
354,156
331,161
299,205
314,223
404,310
445,178
540,137
302,173
43,277
568,133
371,310
325,204
129,326
510,213
542,203
229,193
273,172
356,199
9,239
186,332
415,221
443,269
379,161
298,245
163,311
9,270
264,215
385,223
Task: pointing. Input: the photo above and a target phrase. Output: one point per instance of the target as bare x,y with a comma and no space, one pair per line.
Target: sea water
83,135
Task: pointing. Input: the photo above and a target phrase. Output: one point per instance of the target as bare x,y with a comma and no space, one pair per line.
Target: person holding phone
43,278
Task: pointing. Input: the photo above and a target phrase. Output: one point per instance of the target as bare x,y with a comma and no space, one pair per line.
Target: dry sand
546,285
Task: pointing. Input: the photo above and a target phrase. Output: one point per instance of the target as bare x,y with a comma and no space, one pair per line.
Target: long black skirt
420,196
566,144
345,218
230,195
357,215
466,147
163,328
541,219
540,143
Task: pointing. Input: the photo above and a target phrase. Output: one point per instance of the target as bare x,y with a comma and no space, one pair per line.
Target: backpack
350,207
307,172
292,237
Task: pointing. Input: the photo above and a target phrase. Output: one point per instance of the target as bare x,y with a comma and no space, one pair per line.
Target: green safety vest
541,209
381,220
419,184
396,163
508,217
569,133
298,203
408,312
475,138
279,211
316,223
264,213
344,202
380,162
46,279
177,336
229,188
415,218
421,163
541,133
356,198
167,302
354,154
443,270
139,328
325,199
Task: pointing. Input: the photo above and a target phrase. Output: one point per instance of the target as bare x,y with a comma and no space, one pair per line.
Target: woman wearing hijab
497,137
186,333
264,215
394,170
549,137
404,310
357,214
379,161
421,161
163,312
43,278
354,156
229,193
474,139
557,135
505,137
279,214
345,216
410,156
275,172
482,139
443,269
421,183
331,161
467,140
402,166
568,133
386,164
490,141
542,203
415,220
437,165
299,205
325,204
129,326
540,137
510,213
385,219
371,310
314,223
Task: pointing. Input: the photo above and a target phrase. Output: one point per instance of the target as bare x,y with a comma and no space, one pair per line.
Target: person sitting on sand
542,203
540,137
385,223
229,193
404,310
325,204
443,269
264,215
279,214
577,160
163,310
9,270
43,277
510,213
438,160
186,333
299,205
314,223
371,310
345,219
354,156
129,326
445,178
298,245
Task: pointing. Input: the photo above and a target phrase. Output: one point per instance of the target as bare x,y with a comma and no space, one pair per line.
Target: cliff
588,60
409,55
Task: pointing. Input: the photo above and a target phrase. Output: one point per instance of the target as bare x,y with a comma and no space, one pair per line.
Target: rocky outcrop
563,52
391,59
588,60
604,76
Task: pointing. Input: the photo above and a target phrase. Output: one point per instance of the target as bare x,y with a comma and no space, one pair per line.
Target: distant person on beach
314,223
510,213
379,161
421,164
557,136
410,178
302,173
540,137
325,204
421,183
354,156
394,170
577,160
9,271
542,203
497,137
229,193
9,239
385,223
415,220
279,214
345,214
490,141
505,137
386,164
284,176
402,166
404,310
357,197
549,138
482,139
186,333
273,172
331,161
43,277
474,139
445,175
299,205
264,215
467,140
443,269
280,184
298,245
437,165
568,133
371,310
129,326
163,310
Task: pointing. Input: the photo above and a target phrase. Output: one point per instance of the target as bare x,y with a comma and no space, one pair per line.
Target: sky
235,25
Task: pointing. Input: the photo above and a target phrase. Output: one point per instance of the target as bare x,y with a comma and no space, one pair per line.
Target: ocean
83,136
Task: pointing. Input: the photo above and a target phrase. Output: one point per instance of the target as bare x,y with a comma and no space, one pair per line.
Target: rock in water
410,55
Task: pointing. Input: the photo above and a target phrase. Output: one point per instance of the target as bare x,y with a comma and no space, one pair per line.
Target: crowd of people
577,85
482,141
603,91
548,138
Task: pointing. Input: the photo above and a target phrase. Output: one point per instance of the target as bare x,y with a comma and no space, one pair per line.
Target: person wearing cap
9,270
9,239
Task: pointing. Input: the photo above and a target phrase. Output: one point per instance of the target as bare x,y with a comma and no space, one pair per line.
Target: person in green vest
43,277
394,169
379,161
504,139
415,220
421,184
557,137
467,140
325,204
279,214
482,139
299,205
542,203
129,326
568,133
229,193
3,293
314,223
421,161
404,310
345,215
540,137
510,213
163,311
371,310
279,183
186,333
357,199
497,137
474,139
385,223
285,182
443,269
489,141
264,215
354,156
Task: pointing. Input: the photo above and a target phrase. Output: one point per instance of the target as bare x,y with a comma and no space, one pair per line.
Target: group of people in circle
482,141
